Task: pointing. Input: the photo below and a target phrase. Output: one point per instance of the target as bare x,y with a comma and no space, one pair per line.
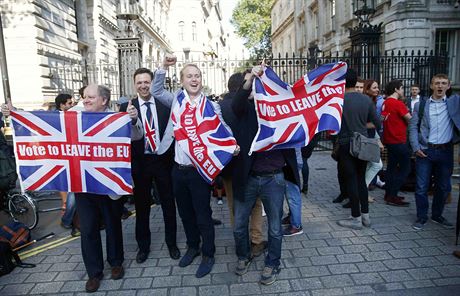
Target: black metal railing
408,66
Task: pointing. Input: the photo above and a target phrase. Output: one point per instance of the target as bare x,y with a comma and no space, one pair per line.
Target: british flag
200,133
73,151
289,116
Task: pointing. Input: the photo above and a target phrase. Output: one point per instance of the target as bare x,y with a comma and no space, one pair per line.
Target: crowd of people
423,129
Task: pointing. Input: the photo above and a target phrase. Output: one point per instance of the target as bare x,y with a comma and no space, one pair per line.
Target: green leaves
252,20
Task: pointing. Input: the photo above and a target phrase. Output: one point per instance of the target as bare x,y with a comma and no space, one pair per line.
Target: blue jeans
294,200
439,163
270,189
70,209
398,168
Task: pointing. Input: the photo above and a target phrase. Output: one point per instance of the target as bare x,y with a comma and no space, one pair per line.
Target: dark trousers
341,180
154,169
91,208
398,168
353,171
193,196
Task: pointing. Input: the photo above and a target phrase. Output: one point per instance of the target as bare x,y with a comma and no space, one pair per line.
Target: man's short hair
81,91
61,99
360,80
392,86
440,76
415,85
143,71
350,78
235,81
104,92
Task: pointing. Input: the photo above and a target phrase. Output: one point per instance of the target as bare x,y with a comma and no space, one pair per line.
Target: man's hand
237,151
6,108
420,153
132,111
169,60
257,70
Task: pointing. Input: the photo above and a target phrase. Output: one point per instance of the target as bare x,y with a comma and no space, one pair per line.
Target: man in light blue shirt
432,131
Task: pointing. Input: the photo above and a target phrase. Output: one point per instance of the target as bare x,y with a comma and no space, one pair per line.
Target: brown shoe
92,284
394,201
457,254
258,249
117,272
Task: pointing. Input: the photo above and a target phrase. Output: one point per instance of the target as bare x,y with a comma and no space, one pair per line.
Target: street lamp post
365,40
3,65
129,53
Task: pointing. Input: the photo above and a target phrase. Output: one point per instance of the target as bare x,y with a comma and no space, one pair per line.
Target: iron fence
410,67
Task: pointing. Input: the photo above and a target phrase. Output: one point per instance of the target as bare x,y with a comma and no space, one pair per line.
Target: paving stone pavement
390,258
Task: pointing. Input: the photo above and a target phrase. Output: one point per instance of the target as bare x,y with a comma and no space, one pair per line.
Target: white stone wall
37,35
408,25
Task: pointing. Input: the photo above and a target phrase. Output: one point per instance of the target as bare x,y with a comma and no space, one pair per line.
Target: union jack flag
200,133
289,116
73,151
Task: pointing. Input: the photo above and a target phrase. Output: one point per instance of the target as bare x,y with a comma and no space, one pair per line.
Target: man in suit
152,160
260,175
432,133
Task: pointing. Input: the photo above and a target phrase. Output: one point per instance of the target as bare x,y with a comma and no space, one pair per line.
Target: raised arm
240,101
157,89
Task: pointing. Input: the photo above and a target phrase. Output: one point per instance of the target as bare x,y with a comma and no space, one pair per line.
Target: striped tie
149,128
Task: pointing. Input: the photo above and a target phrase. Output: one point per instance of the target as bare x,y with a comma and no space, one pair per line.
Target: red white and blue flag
289,116
202,136
73,151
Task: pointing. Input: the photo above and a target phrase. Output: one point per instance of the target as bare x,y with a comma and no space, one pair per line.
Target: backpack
6,259
15,233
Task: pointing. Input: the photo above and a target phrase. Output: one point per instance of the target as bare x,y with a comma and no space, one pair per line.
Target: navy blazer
245,132
137,147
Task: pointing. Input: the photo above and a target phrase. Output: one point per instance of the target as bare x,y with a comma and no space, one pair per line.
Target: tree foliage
252,19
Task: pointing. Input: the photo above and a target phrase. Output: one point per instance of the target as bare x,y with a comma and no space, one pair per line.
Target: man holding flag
82,153
261,174
204,145
90,206
280,118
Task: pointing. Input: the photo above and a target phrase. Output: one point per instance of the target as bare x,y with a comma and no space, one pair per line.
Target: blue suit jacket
419,140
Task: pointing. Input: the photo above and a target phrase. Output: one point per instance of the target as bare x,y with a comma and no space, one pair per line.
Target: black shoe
339,199
305,190
66,226
75,232
347,205
216,221
187,259
205,266
142,256
126,215
174,252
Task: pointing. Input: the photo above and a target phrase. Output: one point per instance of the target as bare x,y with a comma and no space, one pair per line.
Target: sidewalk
390,258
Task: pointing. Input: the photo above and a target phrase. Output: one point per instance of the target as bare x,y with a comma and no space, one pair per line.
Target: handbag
364,148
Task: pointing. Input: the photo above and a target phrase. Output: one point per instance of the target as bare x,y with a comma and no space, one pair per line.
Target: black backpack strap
421,112
19,263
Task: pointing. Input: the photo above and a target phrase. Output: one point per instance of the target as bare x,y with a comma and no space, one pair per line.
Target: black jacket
137,147
245,132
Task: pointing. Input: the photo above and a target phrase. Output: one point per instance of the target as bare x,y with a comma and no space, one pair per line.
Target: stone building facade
300,25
